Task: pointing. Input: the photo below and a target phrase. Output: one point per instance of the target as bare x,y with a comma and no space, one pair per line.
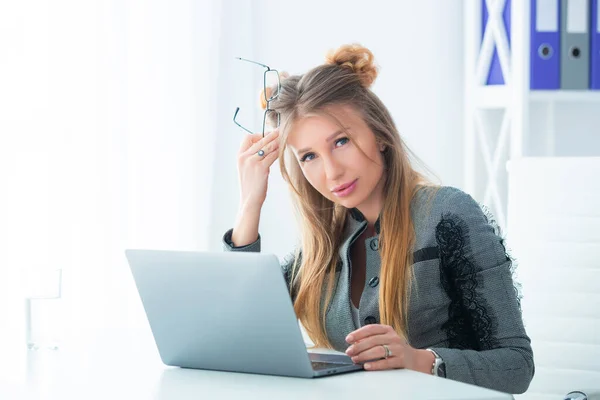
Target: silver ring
261,153
388,352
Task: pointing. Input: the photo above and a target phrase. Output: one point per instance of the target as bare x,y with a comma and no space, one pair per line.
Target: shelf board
565,95
490,97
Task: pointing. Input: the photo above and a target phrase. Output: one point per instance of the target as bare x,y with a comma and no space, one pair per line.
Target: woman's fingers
263,142
374,353
272,147
248,141
368,343
269,158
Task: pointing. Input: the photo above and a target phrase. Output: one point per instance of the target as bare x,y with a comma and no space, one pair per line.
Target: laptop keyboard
318,365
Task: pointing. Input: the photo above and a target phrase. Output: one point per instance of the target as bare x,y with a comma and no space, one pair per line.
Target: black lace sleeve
487,344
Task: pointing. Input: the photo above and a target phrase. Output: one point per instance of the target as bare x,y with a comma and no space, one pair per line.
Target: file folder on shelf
595,46
574,45
545,45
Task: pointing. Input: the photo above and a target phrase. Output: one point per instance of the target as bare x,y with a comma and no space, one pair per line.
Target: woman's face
333,164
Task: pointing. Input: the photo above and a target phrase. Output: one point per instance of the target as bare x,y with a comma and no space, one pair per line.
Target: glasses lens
272,82
272,119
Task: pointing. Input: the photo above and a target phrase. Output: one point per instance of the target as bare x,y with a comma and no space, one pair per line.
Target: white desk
134,371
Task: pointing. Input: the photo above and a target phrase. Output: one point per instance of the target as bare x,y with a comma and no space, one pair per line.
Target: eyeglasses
269,75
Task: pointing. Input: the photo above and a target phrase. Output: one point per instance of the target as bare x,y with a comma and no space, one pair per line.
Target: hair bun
357,58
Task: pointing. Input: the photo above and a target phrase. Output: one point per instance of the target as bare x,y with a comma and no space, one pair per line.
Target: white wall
103,147
418,45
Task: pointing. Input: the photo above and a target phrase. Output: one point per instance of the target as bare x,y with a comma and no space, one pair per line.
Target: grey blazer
464,304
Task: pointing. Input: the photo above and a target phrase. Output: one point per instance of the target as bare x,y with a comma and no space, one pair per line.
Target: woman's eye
307,157
341,141
338,143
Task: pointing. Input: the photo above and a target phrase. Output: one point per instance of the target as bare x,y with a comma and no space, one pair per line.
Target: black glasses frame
267,100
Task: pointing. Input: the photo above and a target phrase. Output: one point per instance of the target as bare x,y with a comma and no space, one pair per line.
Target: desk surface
135,371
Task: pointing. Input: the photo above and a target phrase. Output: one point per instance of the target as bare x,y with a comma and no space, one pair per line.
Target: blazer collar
359,217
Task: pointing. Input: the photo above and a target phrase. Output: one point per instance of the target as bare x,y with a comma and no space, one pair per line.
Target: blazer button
374,282
370,320
374,244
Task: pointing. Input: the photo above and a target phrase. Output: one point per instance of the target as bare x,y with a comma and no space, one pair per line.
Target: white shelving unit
488,146
553,232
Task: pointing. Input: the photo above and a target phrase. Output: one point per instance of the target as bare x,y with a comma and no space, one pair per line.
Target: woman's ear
381,147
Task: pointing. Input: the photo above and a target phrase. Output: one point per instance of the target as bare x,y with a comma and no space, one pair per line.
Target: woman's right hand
253,169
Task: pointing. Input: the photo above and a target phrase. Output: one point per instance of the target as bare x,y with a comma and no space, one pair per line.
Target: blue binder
495,74
545,45
595,47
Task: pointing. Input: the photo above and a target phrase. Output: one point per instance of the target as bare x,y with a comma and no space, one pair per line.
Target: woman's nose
333,169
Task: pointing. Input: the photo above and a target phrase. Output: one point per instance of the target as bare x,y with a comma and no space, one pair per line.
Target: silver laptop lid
222,311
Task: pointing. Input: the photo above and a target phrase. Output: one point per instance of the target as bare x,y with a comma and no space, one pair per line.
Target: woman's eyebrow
329,139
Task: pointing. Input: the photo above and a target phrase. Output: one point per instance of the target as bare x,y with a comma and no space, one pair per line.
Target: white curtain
109,117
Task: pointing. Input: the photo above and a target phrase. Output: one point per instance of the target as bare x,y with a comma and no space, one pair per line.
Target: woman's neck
371,208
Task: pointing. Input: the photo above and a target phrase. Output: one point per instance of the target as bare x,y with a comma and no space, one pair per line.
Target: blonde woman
393,270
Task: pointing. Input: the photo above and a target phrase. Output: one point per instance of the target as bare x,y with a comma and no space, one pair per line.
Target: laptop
226,311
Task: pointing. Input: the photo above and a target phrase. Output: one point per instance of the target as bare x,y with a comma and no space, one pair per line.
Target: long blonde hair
345,79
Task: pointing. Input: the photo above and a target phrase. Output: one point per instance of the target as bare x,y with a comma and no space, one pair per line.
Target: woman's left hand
368,346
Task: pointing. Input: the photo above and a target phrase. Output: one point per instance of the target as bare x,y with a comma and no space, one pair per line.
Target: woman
390,268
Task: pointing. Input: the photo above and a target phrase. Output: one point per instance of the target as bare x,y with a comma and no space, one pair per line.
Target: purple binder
595,47
545,46
495,74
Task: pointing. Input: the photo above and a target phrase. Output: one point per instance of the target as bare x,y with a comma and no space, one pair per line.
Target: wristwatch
438,368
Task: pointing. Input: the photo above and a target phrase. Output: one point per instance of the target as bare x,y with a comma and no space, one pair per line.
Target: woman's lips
345,190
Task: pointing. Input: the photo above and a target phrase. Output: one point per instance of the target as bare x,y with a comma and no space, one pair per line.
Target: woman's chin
348,202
